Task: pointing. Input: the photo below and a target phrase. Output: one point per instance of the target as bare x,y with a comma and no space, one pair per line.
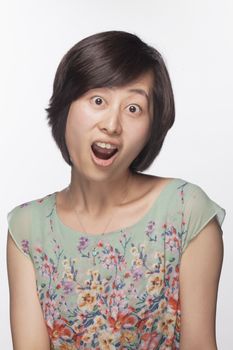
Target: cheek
81,118
78,127
79,121
138,139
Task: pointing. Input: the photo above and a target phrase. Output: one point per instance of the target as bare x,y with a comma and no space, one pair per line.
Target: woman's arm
27,323
200,269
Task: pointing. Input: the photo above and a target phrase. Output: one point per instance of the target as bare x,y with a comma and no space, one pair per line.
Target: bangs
106,62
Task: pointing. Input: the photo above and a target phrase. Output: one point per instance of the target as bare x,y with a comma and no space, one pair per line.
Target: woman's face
121,116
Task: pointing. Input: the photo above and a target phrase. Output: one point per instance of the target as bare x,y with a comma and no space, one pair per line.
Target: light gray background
195,38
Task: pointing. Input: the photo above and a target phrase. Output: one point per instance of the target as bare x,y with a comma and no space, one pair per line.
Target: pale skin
114,121
123,109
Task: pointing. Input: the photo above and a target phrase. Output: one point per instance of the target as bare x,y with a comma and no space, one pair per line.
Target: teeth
105,145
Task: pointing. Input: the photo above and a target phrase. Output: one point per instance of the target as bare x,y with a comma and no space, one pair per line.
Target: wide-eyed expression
119,115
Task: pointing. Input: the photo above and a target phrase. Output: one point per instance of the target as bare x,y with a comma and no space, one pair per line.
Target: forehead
144,81
141,85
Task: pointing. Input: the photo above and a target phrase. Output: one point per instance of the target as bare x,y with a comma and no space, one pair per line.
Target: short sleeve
19,223
199,210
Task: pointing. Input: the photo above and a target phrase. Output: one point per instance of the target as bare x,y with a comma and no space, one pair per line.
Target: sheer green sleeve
199,210
19,225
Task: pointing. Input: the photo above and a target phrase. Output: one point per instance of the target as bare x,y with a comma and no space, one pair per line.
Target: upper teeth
105,145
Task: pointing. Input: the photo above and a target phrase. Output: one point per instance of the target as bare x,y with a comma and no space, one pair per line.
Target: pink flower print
132,290
46,269
100,244
58,286
110,260
171,239
55,276
38,249
107,262
25,246
120,299
173,230
50,307
122,262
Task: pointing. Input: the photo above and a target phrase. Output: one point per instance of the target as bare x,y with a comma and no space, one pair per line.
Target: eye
134,109
98,100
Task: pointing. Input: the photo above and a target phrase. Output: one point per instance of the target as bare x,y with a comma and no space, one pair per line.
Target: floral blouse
119,290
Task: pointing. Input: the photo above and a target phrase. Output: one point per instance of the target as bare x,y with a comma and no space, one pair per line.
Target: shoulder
27,209
179,188
191,201
189,192
26,221
199,210
163,181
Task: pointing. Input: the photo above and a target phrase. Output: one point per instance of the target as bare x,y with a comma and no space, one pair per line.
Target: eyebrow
135,90
141,92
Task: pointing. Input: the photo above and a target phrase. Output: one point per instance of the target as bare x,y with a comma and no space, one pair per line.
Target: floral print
117,291
107,310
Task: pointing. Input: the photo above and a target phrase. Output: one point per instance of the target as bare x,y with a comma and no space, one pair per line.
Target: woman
109,262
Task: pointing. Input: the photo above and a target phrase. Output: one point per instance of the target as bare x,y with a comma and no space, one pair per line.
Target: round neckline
127,228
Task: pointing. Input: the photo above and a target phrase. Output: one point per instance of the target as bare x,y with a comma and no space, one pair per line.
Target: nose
111,122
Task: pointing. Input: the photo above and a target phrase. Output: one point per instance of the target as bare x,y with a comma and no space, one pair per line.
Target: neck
94,195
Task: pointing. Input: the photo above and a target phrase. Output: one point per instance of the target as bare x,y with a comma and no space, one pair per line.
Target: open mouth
103,153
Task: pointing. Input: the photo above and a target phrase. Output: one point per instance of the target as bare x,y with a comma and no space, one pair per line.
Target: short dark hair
112,58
